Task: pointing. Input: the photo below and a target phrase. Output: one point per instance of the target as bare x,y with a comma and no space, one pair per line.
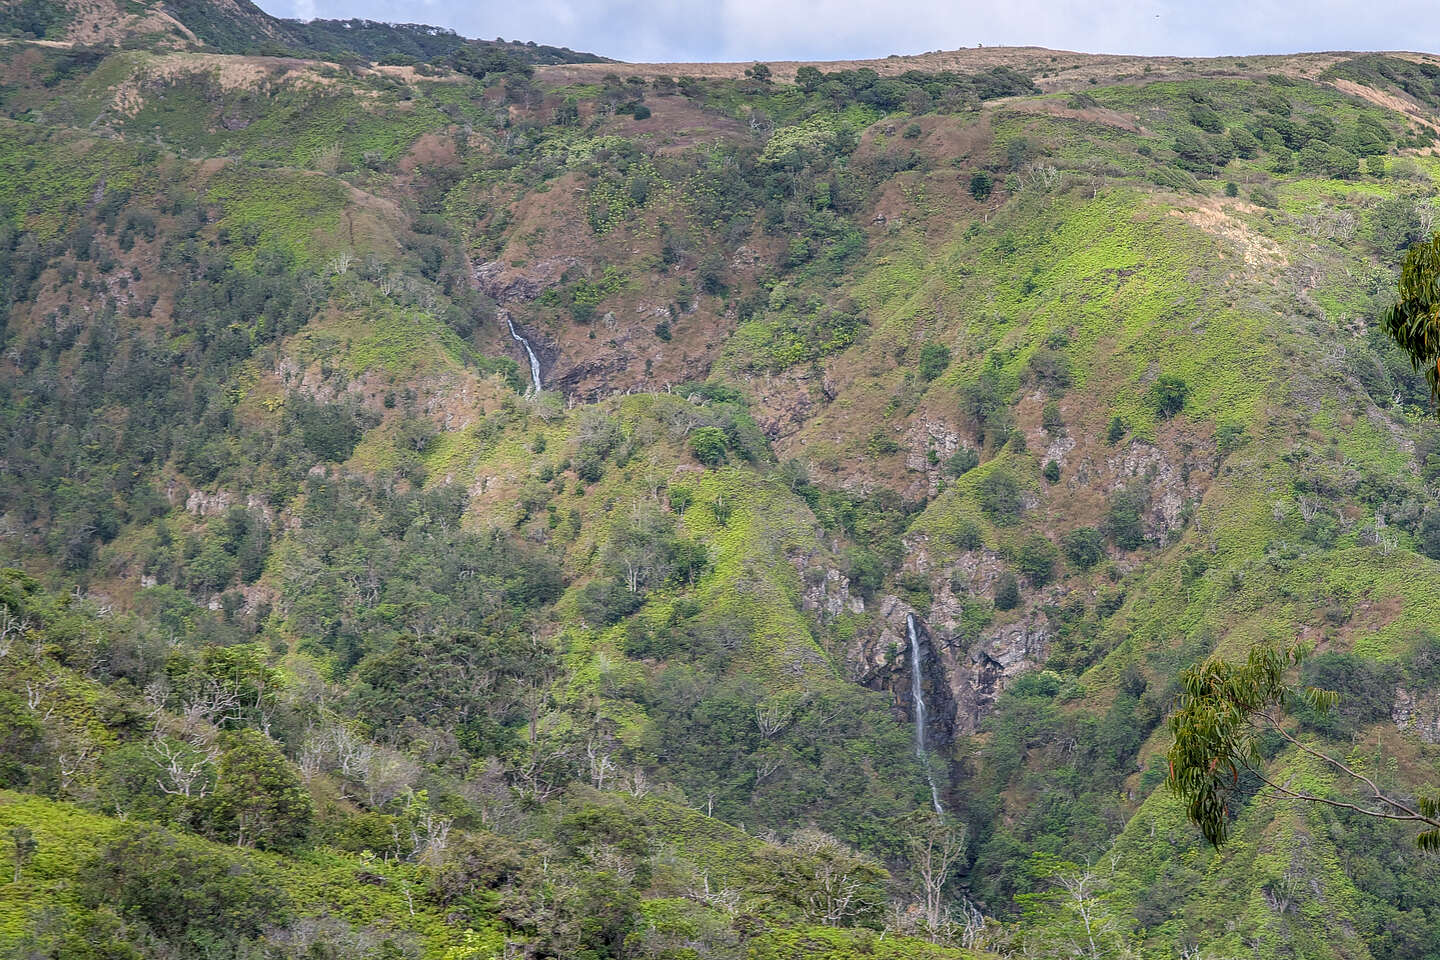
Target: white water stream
917,697
534,361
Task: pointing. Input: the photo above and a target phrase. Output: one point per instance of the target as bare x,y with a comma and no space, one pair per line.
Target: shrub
603,602
1037,559
981,185
1001,496
589,469
961,462
1124,524
1007,592
934,359
1429,535
1232,189
1264,197
1168,395
1084,547
967,536
1051,473
867,573
184,891
1319,159
1116,431
882,445
708,445
1051,420
1051,369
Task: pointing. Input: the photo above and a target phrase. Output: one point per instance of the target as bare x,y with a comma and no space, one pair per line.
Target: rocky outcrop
891,669
506,284
1418,713
204,504
826,591
972,665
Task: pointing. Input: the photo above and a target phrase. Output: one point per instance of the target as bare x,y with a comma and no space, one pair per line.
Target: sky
696,30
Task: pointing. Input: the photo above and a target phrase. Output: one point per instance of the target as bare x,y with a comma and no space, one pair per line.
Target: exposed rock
208,504
886,666
204,504
827,590
997,658
506,284
1167,485
970,668
926,434
1418,713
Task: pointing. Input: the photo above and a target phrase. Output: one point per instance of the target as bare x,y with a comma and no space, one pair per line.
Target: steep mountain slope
1067,364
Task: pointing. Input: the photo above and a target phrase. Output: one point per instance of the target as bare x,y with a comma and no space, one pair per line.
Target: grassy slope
1140,282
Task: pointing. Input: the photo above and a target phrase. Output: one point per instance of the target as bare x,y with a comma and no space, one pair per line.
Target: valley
479,499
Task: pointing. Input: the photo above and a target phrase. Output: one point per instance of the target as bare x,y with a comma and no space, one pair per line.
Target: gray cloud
678,30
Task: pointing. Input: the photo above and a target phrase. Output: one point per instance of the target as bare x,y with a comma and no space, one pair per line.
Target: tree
183,890
1001,496
708,445
1168,395
1413,321
1074,916
24,847
1037,559
1125,521
934,358
1084,547
1007,592
934,849
258,799
1221,715
760,73
981,185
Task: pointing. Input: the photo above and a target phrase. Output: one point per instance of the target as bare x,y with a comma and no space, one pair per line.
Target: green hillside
324,634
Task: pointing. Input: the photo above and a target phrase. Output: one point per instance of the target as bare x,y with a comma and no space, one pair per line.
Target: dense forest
472,499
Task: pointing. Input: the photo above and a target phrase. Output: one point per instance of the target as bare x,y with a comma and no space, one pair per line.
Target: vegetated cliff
1073,359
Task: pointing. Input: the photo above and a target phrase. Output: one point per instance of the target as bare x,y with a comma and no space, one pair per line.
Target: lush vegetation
322,636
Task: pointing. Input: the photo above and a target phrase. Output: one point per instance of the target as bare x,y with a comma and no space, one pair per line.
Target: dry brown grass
1054,70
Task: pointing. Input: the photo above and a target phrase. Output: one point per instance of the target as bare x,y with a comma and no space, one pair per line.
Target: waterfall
534,362
917,697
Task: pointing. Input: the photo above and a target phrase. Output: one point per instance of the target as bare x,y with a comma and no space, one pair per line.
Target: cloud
678,30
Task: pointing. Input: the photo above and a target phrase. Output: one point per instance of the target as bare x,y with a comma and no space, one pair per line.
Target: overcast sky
680,30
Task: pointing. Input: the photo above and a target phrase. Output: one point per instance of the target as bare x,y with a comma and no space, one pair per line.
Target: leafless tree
600,762
341,263
184,767
1039,176
933,851
73,761
636,783
37,694
771,718
720,897
387,774
12,629
835,894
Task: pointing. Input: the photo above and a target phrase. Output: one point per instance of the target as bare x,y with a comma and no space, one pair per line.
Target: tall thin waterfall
534,362
917,697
